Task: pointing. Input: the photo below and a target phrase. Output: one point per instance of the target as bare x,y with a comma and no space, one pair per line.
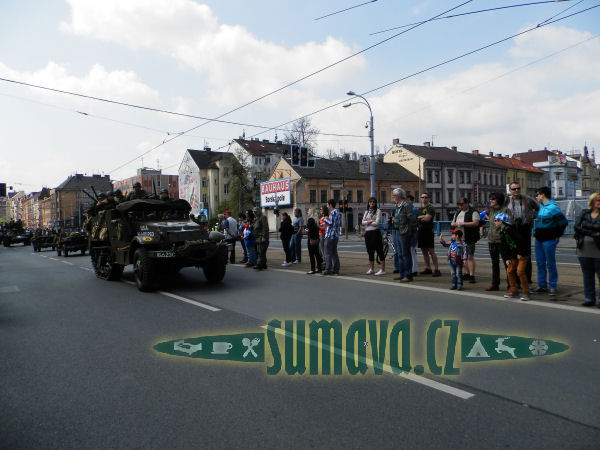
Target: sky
239,61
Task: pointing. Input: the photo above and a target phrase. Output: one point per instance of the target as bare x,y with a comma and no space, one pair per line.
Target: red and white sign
275,192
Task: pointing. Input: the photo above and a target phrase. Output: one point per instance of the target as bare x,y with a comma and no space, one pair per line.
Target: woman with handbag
373,240
314,253
587,234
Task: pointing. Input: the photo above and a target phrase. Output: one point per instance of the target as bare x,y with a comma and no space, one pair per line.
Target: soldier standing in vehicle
260,228
164,195
119,197
137,192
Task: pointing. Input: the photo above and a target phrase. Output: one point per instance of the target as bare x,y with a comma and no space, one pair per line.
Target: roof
342,168
78,182
483,161
513,163
260,148
206,159
534,156
436,153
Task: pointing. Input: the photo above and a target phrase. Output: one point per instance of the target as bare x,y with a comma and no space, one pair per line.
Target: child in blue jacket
457,255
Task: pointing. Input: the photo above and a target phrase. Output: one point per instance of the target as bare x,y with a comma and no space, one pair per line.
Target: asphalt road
79,369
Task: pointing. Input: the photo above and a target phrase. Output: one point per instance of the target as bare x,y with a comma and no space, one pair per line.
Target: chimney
396,141
206,148
556,152
476,152
491,153
529,151
427,144
454,148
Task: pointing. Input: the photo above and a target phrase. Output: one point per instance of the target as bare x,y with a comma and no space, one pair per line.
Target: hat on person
502,217
137,184
164,191
457,232
101,195
454,230
227,212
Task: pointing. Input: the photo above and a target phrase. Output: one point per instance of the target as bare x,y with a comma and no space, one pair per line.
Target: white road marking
67,262
477,295
54,259
409,376
9,289
86,268
183,299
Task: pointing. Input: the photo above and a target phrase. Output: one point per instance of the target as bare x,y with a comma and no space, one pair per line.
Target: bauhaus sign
275,192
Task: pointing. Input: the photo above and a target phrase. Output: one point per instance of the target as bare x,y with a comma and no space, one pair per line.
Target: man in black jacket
467,220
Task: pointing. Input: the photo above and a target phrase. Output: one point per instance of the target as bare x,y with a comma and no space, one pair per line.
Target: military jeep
71,240
16,234
158,238
42,241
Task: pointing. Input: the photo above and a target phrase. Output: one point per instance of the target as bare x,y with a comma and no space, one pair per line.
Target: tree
241,189
303,133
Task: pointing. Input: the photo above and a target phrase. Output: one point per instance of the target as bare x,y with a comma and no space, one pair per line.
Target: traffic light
341,206
345,205
2,189
303,156
295,155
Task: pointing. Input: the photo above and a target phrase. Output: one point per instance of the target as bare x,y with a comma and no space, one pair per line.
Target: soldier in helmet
164,195
99,206
119,197
137,192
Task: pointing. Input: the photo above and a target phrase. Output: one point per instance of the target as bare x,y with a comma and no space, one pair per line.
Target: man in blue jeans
549,227
404,225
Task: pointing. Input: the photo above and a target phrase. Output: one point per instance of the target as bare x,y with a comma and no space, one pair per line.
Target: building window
313,196
496,178
349,196
226,172
324,196
216,182
204,182
437,197
204,199
557,175
450,195
461,174
226,188
485,178
359,196
383,196
468,177
436,176
450,176
429,177
560,192
268,159
336,194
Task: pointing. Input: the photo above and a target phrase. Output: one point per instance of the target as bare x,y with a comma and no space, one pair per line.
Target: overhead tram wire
344,10
562,12
472,12
293,83
217,119
414,74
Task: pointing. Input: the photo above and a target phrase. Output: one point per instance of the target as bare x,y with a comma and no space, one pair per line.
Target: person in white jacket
373,240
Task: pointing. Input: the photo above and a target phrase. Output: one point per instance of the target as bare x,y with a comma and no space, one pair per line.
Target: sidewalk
570,281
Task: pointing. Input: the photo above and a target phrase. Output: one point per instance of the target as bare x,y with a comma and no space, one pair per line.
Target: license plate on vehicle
165,254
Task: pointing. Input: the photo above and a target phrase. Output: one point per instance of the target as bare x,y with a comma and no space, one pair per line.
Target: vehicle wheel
104,268
214,270
144,270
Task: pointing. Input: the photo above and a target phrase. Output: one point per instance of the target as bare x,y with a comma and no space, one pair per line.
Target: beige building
68,202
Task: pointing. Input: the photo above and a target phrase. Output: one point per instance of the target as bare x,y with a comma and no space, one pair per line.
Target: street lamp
371,136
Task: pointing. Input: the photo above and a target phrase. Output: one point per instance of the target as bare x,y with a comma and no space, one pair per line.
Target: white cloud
98,82
239,65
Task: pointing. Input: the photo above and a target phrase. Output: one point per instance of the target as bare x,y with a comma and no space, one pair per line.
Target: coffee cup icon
221,348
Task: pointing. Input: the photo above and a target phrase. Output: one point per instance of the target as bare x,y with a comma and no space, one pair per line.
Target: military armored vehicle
41,241
69,241
158,238
14,233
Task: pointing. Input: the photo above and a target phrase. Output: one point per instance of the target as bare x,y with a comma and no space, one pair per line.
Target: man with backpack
549,226
466,219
